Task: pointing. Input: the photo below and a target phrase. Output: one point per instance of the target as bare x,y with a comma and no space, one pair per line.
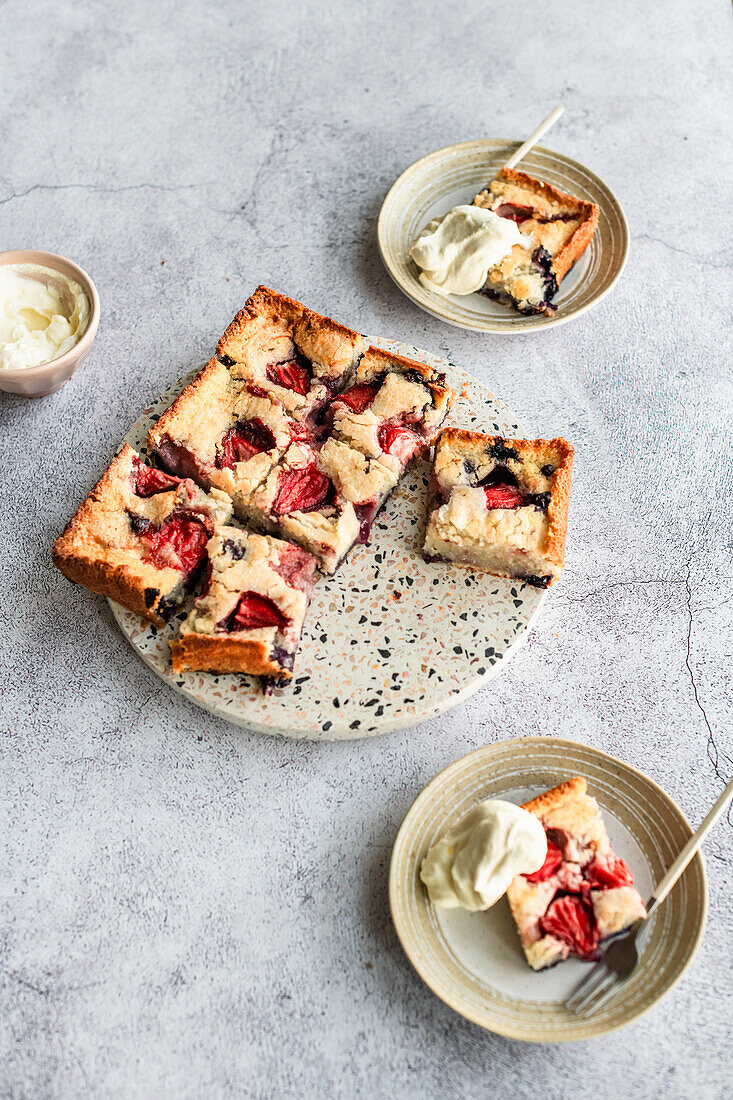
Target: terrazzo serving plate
390,640
454,175
473,961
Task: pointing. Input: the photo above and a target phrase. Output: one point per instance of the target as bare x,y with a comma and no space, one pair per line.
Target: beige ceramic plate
390,640
473,961
455,175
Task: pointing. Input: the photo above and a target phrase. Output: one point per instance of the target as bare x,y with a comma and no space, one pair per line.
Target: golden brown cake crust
312,331
551,799
208,653
588,212
74,557
169,417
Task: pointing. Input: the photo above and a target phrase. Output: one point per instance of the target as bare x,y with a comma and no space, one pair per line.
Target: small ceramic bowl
49,377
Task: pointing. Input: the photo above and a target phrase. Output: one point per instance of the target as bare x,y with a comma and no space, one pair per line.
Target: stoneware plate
473,961
455,175
390,640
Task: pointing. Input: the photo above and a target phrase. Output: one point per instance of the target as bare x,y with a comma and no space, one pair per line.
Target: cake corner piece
250,616
500,505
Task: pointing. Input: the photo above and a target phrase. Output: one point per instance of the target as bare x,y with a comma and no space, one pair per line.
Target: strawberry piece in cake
251,615
140,537
500,505
299,357
323,498
583,893
561,227
394,409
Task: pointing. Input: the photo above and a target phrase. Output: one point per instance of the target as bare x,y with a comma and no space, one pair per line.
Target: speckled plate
473,961
455,175
388,641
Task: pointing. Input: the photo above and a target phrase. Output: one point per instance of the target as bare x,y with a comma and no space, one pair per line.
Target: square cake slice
224,433
561,226
393,410
140,537
250,617
583,893
500,505
287,350
324,498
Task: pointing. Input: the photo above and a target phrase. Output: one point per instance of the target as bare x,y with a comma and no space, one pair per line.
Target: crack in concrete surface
99,188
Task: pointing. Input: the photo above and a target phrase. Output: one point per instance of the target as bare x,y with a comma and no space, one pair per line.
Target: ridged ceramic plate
390,640
455,175
473,961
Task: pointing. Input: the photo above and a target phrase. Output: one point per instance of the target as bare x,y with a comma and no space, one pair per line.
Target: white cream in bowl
43,314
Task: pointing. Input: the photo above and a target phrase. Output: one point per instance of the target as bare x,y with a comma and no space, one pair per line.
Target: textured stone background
188,910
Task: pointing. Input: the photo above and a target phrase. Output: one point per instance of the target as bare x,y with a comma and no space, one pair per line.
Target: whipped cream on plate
456,251
43,314
472,866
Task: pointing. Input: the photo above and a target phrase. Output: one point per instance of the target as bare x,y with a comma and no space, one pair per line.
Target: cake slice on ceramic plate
583,894
283,348
500,505
140,537
250,616
561,226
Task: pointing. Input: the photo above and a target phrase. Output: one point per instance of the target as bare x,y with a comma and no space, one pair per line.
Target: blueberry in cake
140,537
562,227
500,505
250,616
583,893
298,356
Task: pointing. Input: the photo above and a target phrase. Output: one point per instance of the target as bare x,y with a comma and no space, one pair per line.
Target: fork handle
689,849
533,138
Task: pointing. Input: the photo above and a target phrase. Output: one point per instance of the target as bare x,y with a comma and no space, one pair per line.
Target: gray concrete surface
188,910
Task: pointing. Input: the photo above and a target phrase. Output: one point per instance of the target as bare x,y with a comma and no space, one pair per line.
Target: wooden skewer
533,138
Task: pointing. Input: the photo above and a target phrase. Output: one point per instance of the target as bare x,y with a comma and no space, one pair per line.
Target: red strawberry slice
301,490
242,442
148,481
291,375
553,859
358,397
515,212
502,496
395,439
179,543
607,872
253,611
570,920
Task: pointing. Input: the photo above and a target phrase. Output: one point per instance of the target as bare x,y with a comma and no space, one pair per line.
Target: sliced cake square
561,226
500,505
140,536
583,893
250,617
287,350
324,498
393,410
225,433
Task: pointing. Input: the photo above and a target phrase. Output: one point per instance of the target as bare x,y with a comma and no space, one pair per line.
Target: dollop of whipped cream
473,864
455,252
43,314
